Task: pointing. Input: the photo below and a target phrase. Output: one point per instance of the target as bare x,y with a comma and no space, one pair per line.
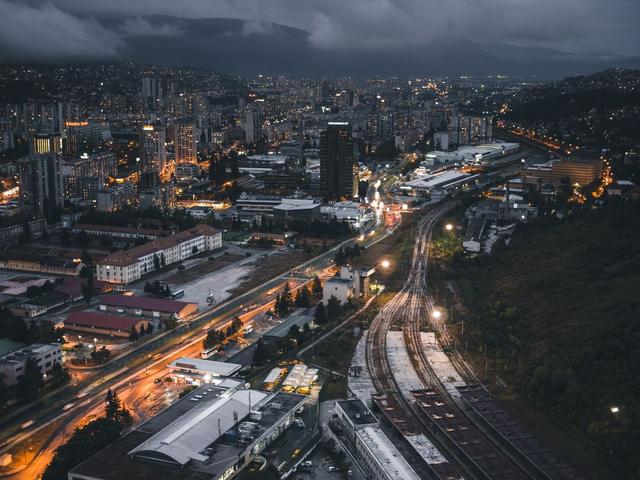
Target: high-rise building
338,169
41,184
45,143
464,130
151,93
153,156
253,126
186,141
84,177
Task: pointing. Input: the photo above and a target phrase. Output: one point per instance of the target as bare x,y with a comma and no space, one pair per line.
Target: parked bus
177,294
209,352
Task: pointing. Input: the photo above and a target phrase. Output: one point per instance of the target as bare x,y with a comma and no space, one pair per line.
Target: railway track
460,439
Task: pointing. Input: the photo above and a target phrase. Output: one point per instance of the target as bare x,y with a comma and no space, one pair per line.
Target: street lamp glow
448,227
436,314
385,264
615,410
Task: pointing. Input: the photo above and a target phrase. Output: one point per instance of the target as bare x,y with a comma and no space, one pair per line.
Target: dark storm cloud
41,29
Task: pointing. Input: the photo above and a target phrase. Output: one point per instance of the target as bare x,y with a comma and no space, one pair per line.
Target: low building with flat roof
101,324
210,434
198,371
147,306
376,455
13,362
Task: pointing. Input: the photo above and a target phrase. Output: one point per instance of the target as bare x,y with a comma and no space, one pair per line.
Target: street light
448,227
385,263
436,314
615,410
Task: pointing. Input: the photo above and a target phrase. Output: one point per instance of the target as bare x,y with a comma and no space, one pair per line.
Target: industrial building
197,371
555,173
210,434
157,308
375,454
95,323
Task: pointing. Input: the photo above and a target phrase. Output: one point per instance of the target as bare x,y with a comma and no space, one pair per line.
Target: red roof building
146,306
101,324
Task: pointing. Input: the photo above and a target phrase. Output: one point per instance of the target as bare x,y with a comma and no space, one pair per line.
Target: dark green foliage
31,383
558,312
101,355
333,307
316,286
320,316
302,297
85,442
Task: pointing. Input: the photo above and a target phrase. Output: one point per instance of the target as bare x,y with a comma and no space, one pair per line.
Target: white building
13,363
130,265
352,212
197,371
349,283
376,455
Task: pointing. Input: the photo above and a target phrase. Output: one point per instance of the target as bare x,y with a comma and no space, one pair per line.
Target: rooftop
222,369
145,303
100,320
357,412
386,454
131,256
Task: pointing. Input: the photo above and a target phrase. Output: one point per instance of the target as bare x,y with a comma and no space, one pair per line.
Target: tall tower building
186,141
253,126
151,93
45,143
338,169
41,188
153,155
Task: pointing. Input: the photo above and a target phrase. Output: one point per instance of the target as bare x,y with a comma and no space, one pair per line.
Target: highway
132,375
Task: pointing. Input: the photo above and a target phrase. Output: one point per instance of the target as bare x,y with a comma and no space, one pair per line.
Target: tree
320,316
102,355
236,324
112,405
58,375
213,338
316,286
170,323
31,382
84,442
302,297
333,307
134,336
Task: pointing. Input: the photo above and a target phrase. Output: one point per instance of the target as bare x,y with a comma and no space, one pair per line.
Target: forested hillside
559,313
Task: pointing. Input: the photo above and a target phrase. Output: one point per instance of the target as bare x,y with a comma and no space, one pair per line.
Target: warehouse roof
100,320
144,303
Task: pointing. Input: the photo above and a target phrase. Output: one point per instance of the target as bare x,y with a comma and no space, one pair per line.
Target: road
133,374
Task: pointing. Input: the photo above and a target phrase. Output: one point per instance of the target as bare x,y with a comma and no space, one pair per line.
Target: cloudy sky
38,29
